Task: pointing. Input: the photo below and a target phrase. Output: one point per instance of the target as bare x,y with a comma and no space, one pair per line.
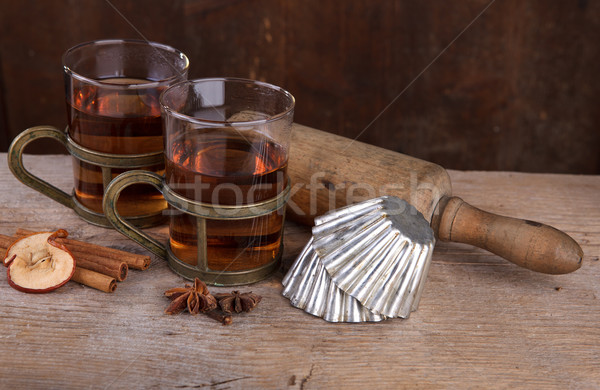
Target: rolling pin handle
529,244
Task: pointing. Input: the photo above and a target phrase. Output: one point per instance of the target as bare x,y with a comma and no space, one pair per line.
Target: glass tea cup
226,152
112,90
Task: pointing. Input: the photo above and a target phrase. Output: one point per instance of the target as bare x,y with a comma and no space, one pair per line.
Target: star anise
195,298
237,302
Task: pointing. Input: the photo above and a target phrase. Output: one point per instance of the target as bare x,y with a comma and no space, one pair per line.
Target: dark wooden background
517,91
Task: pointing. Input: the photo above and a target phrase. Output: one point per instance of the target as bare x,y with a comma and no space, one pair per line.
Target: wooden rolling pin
329,171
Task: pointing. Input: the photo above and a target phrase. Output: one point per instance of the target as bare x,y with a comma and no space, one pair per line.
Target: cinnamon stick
81,275
111,267
133,260
94,279
5,242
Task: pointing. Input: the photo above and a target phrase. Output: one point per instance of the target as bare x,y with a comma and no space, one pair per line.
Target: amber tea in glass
226,143
112,95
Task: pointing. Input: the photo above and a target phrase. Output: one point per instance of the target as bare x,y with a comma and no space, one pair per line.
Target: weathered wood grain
482,322
518,90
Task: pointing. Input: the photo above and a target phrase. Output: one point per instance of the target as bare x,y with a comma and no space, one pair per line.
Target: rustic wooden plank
501,97
517,91
4,133
482,322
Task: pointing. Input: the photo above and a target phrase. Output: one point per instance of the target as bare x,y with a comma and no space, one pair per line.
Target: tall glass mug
112,90
226,151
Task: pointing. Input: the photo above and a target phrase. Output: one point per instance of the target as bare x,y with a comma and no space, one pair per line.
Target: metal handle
109,205
15,162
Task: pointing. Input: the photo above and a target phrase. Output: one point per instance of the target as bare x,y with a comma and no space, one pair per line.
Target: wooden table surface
482,322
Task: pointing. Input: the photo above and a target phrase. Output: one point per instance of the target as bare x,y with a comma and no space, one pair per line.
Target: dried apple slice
38,264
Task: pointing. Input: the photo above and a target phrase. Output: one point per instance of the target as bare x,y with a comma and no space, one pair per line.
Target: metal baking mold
365,262
377,251
309,287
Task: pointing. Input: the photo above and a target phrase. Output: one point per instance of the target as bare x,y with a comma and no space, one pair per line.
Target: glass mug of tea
112,90
226,144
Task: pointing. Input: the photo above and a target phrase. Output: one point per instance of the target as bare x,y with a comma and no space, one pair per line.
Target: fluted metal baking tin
309,287
378,252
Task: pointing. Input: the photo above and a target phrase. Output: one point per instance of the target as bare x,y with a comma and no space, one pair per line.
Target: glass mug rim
171,111
68,68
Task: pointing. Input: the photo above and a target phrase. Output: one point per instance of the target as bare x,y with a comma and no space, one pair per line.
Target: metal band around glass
106,162
110,160
224,212
202,212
